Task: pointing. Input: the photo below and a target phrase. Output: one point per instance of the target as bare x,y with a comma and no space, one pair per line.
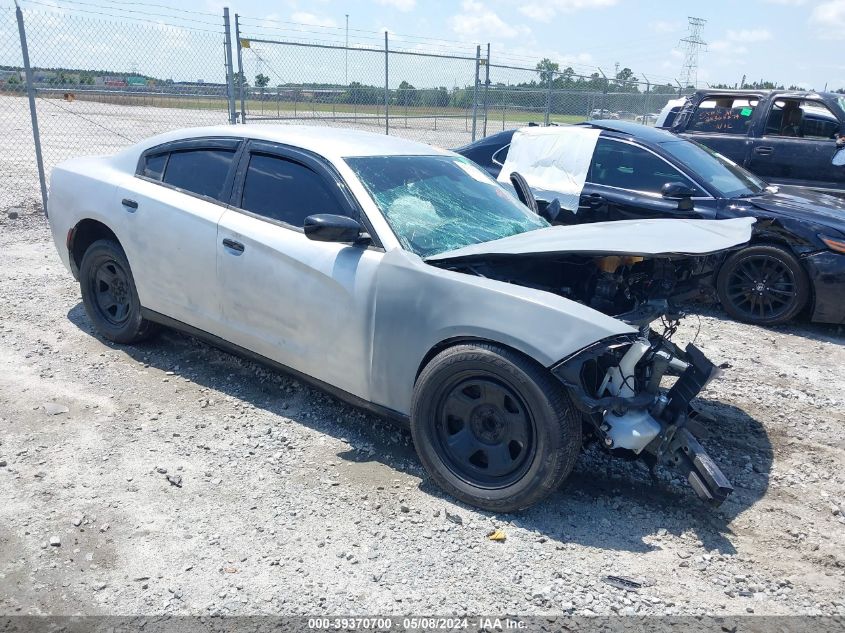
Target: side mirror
327,227
680,192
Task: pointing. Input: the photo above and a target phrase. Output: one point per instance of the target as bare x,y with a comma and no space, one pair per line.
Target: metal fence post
33,114
548,112
486,88
475,91
241,77
230,71
386,88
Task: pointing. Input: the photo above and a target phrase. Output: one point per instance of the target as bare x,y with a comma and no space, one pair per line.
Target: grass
289,109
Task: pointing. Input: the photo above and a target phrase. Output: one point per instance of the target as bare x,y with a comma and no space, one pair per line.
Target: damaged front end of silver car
617,385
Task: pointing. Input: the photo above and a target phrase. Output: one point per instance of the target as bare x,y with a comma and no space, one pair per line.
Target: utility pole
692,44
346,74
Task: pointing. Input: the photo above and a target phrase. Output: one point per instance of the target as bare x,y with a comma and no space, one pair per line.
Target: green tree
547,69
261,80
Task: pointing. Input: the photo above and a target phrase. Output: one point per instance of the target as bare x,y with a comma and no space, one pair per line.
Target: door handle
233,245
764,151
129,204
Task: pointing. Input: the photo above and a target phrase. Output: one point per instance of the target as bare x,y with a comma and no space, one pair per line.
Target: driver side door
624,182
305,304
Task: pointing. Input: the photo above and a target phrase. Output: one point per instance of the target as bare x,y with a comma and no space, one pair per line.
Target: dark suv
786,137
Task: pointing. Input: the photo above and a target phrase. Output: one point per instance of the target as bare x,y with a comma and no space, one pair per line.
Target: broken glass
436,204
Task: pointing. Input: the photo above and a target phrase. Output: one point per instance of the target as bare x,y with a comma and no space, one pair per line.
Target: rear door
625,181
798,145
305,304
725,124
174,202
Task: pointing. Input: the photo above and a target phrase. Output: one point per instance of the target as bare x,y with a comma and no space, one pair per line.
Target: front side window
627,166
199,171
711,168
801,118
436,204
724,115
285,191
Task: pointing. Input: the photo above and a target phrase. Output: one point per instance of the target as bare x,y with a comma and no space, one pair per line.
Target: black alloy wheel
109,295
485,433
764,285
111,291
493,427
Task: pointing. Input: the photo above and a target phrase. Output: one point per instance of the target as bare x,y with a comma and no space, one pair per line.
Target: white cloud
477,21
789,3
748,36
401,5
735,43
545,10
829,18
303,17
665,26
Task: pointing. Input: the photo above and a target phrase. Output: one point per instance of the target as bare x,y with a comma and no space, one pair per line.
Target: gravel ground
172,478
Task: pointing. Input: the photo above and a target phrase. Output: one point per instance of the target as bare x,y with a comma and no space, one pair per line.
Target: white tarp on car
552,159
625,237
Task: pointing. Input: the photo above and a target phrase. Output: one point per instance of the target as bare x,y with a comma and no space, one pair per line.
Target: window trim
321,166
188,144
674,166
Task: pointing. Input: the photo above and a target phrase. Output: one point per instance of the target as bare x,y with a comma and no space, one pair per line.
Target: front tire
109,295
492,427
763,284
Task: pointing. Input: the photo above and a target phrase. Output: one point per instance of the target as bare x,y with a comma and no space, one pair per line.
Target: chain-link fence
100,81
18,171
100,85
422,96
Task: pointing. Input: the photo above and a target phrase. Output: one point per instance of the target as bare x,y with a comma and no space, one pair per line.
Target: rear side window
154,166
286,191
724,115
200,171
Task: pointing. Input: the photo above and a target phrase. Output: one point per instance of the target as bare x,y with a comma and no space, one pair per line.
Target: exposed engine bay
634,289
618,383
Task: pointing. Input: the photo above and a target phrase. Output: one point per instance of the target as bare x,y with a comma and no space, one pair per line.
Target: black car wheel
109,295
493,428
763,284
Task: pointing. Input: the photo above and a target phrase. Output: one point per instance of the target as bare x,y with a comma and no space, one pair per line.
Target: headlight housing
833,243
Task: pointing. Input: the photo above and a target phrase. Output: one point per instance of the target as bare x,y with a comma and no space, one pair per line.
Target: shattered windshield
436,204
727,178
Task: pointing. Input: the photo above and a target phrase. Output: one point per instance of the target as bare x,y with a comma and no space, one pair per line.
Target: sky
796,42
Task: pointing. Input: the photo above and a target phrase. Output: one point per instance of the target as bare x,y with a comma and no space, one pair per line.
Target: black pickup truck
785,137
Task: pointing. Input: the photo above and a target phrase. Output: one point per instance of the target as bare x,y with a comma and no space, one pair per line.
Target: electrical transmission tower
692,44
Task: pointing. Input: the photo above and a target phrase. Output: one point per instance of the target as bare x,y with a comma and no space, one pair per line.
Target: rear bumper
827,274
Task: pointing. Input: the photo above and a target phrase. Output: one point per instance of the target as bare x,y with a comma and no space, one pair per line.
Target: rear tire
109,295
763,284
492,427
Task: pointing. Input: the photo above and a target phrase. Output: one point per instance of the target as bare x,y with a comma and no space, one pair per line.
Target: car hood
625,237
803,204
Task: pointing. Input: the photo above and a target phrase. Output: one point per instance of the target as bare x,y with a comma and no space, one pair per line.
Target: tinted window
802,119
286,191
724,115
711,168
630,167
154,166
200,171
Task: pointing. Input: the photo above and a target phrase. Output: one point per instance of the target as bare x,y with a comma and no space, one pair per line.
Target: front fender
419,306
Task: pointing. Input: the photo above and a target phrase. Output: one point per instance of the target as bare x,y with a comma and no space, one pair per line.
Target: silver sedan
403,279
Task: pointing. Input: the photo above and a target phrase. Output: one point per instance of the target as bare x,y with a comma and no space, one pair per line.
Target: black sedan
795,263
